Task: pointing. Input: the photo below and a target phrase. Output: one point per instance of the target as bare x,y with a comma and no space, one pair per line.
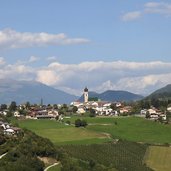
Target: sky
104,45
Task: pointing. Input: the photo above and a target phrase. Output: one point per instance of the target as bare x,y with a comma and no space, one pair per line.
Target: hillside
23,91
114,95
162,93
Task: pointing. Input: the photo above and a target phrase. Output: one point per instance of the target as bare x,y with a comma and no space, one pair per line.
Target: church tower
86,95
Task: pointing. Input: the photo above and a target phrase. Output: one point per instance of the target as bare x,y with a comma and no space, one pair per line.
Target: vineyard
122,155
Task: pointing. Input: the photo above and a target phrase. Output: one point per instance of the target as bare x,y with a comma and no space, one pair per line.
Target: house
169,109
12,131
118,104
152,111
9,131
154,116
125,109
143,112
4,125
17,114
81,110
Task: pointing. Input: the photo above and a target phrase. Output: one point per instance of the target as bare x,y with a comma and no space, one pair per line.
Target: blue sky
78,35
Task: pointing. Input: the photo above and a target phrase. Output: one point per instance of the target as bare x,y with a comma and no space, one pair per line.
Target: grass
55,168
159,158
128,128
136,129
63,134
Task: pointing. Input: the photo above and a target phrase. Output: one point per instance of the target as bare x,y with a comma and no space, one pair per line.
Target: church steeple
86,95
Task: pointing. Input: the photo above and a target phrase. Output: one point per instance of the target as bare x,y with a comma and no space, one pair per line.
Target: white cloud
2,61
51,58
131,16
33,59
149,8
47,77
137,77
11,39
158,8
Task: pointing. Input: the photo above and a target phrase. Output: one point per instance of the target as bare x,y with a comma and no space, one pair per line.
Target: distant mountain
23,91
162,93
114,95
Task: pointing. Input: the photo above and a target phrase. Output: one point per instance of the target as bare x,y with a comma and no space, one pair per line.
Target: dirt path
51,166
2,155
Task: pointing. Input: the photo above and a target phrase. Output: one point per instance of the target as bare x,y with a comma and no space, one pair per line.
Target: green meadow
129,128
60,133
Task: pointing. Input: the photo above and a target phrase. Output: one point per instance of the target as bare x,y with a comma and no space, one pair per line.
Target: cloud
137,77
131,16
158,8
161,8
47,77
33,59
11,39
2,61
51,58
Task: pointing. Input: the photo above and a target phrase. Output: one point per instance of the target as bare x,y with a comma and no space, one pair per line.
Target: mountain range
162,93
114,95
32,91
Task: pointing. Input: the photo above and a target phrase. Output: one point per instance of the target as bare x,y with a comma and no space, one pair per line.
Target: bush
80,123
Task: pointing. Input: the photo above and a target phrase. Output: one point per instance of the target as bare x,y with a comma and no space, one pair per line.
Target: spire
86,89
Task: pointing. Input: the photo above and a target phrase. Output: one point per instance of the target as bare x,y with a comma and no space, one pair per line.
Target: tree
55,106
27,105
78,123
13,106
74,109
83,123
147,115
3,107
113,106
92,112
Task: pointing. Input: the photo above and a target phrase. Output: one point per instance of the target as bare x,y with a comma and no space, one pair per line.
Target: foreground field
63,134
129,128
159,158
122,155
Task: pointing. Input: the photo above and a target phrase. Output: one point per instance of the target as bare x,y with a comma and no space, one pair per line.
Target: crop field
63,134
121,156
159,158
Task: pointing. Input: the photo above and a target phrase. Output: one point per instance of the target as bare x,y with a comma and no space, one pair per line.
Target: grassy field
63,134
131,128
128,128
159,158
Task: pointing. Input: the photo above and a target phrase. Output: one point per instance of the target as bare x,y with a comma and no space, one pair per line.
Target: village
93,108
